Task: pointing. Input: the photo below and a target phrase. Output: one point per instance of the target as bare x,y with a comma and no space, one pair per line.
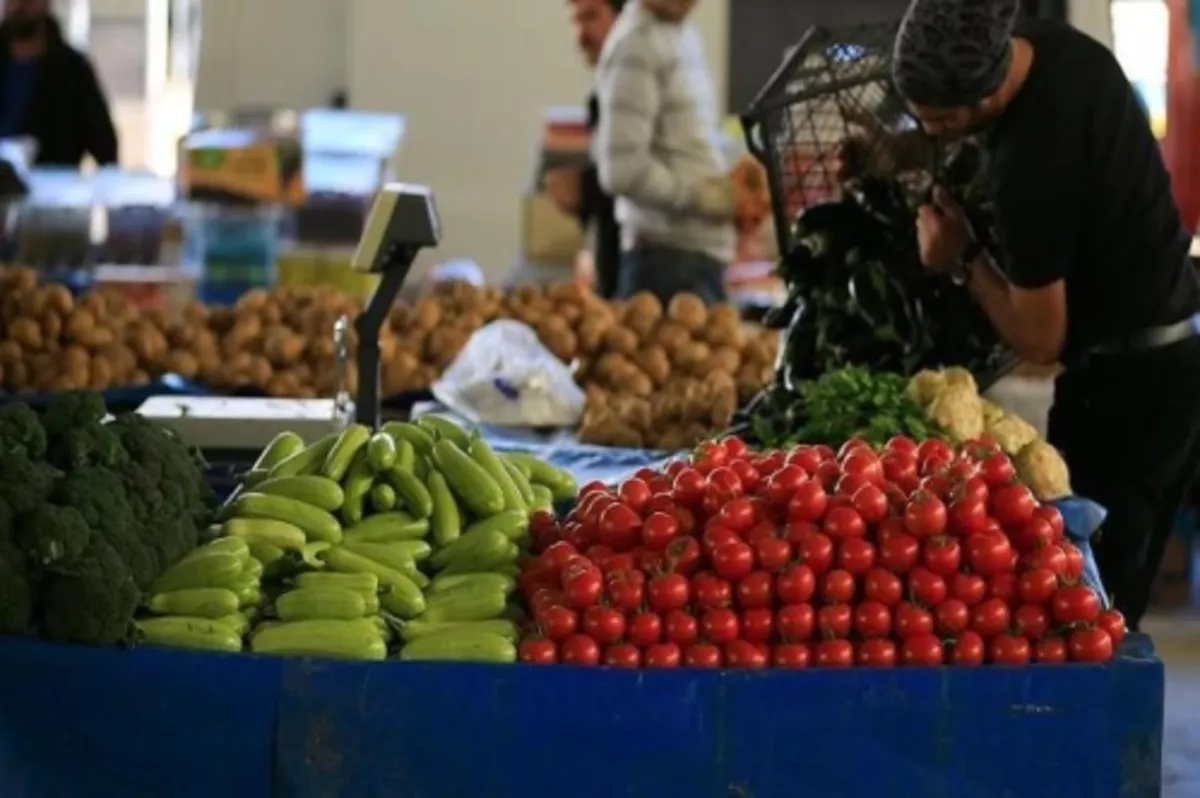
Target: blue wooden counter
100,723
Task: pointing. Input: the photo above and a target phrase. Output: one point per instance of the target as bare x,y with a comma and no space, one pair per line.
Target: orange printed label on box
256,173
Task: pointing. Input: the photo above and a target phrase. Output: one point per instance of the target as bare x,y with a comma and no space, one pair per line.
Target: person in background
49,91
578,191
1093,269
658,151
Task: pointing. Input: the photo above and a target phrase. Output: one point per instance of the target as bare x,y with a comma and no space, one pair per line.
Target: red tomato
1075,604
758,625
952,617
1113,622
989,553
943,556
853,445
791,655
838,586
604,625
796,585
877,653
1036,586
710,455
645,629
688,487
595,486
911,620
713,592
856,555
1075,561
795,622
737,514
835,620
733,560
773,554
716,534
658,530
835,654
680,627
674,467
1004,587
1033,535
579,650
842,523
1052,558
702,655
746,655
805,457
901,468
556,555
997,470
1010,650
937,483
816,551
660,503
1032,621
925,515
967,515
1051,651
923,651
883,587
1090,645
747,475
668,592
899,553
963,470
1013,504
683,555
871,503
991,618
598,554
720,626
652,562
1051,514
735,447
796,531
634,493
619,562
724,482
623,655
756,589
764,530
849,484
583,589
783,484
901,444
663,655
926,588
809,503
620,527
968,649
538,651
968,588
936,448
872,619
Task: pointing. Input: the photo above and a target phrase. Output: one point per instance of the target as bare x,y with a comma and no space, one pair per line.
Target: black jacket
597,206
68,113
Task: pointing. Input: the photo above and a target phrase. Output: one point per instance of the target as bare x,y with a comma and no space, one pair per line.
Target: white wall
1093,17
472,76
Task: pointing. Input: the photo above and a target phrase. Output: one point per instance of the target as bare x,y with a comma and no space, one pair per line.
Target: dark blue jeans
666,271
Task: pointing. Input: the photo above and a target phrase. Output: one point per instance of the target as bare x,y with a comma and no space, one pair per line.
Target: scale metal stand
403,221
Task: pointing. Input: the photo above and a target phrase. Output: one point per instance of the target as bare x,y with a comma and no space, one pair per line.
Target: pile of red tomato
917,554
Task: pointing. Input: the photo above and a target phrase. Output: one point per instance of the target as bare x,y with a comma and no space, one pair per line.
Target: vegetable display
361,543
93,513
917,554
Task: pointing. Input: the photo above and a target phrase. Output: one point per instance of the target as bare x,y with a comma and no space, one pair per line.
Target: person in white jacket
658,151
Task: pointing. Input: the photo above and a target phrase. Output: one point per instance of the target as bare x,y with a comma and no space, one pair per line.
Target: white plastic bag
505,377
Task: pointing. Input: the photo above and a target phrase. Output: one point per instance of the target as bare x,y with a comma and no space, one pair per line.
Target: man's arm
99,133
630,103
1032,321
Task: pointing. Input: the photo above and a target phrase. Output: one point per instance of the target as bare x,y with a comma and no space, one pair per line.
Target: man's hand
564,186
942,231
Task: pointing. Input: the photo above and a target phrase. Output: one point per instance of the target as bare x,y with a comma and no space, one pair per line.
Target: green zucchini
469,481
351,639
388,527
313,603
308,488
306,461
460,646
411,491
201,634
318,524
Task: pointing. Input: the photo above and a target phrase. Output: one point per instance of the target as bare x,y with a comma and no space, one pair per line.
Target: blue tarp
104,723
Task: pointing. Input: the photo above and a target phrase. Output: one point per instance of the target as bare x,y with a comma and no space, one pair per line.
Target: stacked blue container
232,249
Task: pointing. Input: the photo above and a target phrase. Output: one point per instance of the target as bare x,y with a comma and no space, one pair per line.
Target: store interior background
473,79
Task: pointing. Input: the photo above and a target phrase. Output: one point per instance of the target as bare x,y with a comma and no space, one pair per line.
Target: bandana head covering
953,52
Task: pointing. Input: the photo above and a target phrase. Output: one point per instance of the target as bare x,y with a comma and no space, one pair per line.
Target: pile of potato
55,342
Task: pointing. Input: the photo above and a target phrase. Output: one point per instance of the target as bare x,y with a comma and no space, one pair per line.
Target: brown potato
622,340
655,362
27,333
688,311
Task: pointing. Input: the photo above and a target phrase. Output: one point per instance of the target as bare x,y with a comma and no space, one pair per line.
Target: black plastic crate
830,112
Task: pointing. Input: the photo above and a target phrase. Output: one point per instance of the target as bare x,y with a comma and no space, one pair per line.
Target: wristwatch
960,272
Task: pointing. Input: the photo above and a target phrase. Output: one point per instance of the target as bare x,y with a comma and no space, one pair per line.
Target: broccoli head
95,604
24,482
52,536
21,431
73,409
16,592
91,445
99,494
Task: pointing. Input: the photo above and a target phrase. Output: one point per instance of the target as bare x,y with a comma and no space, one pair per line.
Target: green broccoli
21,431
99,494
95,604
71,410
6,521
24,482
91,445
53,536
16,592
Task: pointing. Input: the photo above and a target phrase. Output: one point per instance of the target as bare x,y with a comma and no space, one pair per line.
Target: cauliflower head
925,386
959,412
1040,466
992,412
1013,433
957,375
